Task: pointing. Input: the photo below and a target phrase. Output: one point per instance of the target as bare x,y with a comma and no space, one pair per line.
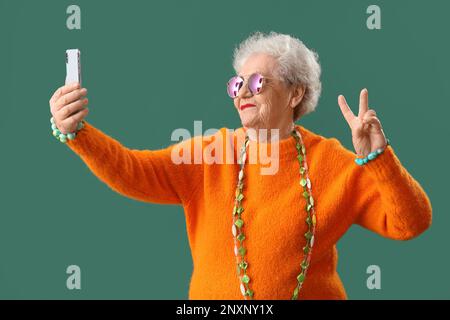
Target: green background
54,212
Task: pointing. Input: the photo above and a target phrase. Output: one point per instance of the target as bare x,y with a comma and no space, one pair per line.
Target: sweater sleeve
144,175
386,199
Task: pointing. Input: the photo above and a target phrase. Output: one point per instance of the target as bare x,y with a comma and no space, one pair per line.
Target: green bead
301,277
245,279
242,251
249,293
372,155
56,133
300,158
305,194
54,127
302,170
241,237
70,136
303,182
304,265
80,125
308,221
240,197
62,138
308,235
306,249
308,207
296,292
239,223
237,210
243,265
52,120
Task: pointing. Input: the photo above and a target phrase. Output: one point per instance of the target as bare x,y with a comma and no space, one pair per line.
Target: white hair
296,64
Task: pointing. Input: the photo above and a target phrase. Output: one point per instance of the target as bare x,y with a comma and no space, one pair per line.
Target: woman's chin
248,120
247,124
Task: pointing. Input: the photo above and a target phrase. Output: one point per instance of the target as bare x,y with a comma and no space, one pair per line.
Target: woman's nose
244,92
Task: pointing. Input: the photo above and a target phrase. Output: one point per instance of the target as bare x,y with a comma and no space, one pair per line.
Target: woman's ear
297,95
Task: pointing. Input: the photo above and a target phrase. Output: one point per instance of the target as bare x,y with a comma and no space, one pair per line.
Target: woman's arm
386,199
144,175
385,196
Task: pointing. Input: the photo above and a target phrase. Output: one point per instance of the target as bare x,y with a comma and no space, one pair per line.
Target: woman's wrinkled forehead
258,63
248,74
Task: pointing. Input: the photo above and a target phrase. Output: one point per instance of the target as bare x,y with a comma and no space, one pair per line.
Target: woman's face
271,106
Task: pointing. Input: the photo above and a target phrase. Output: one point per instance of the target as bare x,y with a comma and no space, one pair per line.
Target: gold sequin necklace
238,222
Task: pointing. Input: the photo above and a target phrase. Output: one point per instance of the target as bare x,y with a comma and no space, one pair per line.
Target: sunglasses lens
255,83
233,86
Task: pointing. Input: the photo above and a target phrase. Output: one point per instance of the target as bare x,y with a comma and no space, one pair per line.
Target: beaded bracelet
371,156
64,137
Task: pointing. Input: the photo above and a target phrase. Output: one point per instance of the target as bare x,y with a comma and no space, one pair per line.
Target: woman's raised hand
68,108
367,133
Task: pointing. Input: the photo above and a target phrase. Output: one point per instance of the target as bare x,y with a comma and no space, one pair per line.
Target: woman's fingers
63,90
345,109
67,106
69,124
70,97
373,120
71,108
369,113
363,103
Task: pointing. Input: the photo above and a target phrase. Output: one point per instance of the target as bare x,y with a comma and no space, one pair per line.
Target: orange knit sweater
380,196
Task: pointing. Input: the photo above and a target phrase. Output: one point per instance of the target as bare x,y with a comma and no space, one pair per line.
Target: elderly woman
254,235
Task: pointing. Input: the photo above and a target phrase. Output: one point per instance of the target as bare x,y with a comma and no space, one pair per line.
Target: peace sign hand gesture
367,133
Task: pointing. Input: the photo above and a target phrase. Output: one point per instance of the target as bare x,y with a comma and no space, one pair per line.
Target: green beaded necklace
238,222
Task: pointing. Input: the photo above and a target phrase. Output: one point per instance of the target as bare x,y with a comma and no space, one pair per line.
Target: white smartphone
73,66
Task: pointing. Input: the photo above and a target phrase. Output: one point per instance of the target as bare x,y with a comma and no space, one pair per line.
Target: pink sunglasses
255,84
